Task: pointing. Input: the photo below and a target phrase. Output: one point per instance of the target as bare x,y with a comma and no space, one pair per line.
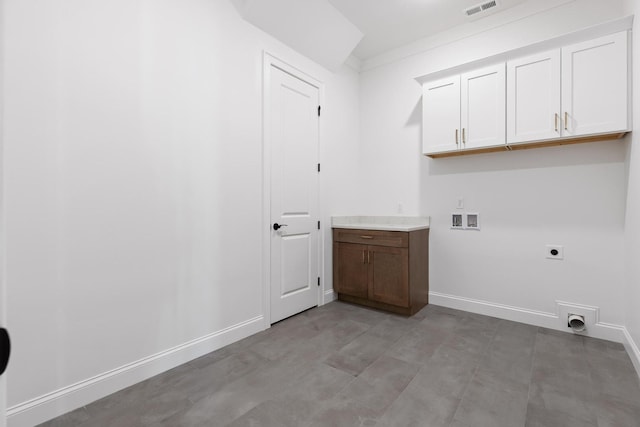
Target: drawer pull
366,237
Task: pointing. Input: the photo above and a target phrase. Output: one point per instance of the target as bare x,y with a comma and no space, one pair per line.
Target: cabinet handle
368,257
363,256
464,140
556,122
456,136
366,237
566,121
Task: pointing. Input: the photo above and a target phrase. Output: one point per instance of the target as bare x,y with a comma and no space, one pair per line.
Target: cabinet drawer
398,239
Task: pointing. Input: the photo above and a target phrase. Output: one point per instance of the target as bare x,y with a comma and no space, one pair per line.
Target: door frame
269,61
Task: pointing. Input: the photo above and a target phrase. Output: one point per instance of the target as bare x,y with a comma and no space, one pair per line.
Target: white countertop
385,223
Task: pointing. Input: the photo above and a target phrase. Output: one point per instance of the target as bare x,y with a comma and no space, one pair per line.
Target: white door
533,97
483,107
294,194
594,86
441,115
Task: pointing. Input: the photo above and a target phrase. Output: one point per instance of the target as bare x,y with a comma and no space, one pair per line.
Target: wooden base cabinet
388,270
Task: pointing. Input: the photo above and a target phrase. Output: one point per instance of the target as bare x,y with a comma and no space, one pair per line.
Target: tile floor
344,365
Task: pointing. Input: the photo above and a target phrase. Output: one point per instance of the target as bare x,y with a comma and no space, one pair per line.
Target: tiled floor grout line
472,376
533,358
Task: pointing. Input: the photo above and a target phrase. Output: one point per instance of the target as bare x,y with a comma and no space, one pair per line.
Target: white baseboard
329,296
632,349
543,319
71,397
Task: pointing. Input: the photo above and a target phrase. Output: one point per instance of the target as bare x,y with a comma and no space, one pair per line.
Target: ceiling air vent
481,9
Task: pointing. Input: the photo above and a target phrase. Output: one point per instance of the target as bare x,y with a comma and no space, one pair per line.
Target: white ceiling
388,24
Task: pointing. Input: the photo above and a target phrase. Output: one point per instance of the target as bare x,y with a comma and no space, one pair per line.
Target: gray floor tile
381,383
72,419
539,416
356,356
343,412
491,401
319,383
447,373
419,344
614,412
392,328
291,340
297,405
560,344
419,408
239,397
294,413
329,341
559,404
345,365
616,379
510,353
446,319
205,381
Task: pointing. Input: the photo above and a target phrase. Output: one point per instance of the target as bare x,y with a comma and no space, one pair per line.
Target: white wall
133,182
632,229
572,196
340,160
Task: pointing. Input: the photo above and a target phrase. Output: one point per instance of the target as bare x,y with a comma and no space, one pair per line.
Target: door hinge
318,281
318,225
318,111
318,167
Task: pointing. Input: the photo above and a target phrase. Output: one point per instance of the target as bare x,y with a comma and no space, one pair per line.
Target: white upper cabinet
483,107
563,94
464,111
575,91
595,86
533,97
441,115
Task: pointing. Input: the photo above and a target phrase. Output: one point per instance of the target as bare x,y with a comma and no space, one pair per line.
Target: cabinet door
595,86
483,107
533,97
350,269
389,275
441,115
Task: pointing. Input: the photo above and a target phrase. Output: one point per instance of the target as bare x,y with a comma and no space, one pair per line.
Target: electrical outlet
459,203
554,252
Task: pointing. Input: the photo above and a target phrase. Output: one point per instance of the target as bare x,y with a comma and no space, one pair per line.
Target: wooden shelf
528,145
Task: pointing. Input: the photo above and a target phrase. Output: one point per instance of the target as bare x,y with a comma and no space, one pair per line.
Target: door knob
277,226
5,349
